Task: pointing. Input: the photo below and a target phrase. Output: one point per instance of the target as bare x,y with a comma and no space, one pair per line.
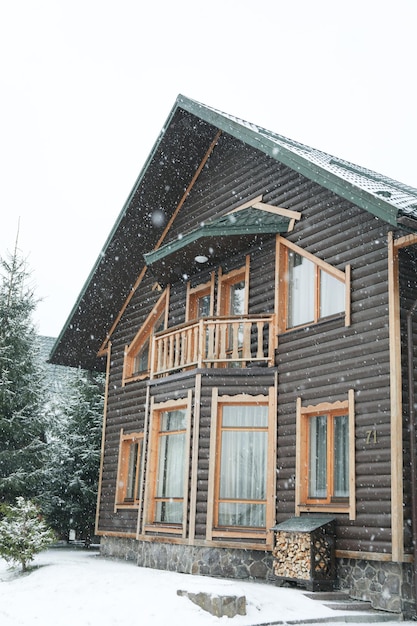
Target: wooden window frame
125,444
283,248
151,525
144,335
213,531
225,281
302,502
193,295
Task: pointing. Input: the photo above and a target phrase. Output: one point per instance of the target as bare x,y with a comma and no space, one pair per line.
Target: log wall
320,363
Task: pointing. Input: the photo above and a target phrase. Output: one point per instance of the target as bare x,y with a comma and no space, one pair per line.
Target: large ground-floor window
167,473
241,453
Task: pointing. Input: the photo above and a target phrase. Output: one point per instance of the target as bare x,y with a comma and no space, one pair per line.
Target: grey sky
87,85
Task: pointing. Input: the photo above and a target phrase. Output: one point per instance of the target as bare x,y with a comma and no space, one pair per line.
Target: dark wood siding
322,362
319,363
408,296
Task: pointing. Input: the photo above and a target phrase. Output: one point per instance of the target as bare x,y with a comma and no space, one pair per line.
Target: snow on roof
402,197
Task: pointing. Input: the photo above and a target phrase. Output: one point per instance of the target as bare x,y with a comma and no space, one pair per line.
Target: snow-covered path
79,588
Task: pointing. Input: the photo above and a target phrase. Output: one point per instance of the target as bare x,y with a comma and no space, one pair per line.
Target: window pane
171,466
141,361
169,512
170,470
139,473
317,471
173,420
332,295
244,416
243,466
237,298
300,290
203,306
242,514
341,456
131,471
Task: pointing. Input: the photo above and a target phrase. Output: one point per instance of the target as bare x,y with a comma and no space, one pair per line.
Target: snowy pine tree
71,477
22,429
22,532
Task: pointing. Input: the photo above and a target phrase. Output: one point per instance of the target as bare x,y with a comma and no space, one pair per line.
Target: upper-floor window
200,300
234,291
310,289
138,354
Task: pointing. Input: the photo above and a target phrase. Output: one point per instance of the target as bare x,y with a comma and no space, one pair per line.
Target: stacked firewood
292,554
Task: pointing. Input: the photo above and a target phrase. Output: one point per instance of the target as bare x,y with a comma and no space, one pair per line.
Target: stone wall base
216,562
387,586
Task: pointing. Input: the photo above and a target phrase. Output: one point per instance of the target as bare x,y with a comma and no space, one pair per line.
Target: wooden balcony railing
214,342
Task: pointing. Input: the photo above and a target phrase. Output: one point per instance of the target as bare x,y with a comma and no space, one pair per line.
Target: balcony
214,342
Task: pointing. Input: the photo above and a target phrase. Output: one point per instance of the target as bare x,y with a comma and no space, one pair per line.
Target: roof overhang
206,246
185,139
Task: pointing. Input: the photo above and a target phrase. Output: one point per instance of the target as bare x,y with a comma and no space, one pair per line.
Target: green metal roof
390,200
240,229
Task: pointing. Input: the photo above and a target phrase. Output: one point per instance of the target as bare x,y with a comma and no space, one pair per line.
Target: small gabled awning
218,239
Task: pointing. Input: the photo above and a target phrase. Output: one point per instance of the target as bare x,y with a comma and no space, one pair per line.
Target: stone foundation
387,586
216,562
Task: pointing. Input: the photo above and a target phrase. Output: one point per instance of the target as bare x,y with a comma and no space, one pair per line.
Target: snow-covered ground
79,588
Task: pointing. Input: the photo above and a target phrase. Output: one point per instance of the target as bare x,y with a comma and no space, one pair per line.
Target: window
137,363
169,492
233,302
233,298
130,469
241,479
312,289
200,300
168,473
242,455
325,456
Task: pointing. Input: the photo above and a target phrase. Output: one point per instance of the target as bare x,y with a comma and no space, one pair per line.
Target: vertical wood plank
396,404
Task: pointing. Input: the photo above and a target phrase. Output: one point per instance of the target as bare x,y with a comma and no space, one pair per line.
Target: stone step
349,605
341,601
322,596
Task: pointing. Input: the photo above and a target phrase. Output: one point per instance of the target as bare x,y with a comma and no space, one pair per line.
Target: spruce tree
23,533
71,475
22,429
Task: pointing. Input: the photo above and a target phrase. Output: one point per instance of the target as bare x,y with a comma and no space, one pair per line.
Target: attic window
138,354
312,289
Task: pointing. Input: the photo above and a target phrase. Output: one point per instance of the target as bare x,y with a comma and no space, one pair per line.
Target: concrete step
341,601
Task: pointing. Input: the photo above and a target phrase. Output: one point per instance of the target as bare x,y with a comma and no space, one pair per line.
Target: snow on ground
79,588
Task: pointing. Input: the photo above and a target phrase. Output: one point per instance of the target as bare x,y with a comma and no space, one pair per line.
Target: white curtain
341,456
300,290
243,469
318,457
170,478
332,295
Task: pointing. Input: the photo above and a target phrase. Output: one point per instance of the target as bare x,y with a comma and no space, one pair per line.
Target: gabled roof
382,196
178,152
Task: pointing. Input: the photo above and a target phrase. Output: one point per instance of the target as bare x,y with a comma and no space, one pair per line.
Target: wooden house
250,308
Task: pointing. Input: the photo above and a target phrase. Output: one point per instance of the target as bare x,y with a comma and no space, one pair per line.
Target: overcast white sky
86,86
